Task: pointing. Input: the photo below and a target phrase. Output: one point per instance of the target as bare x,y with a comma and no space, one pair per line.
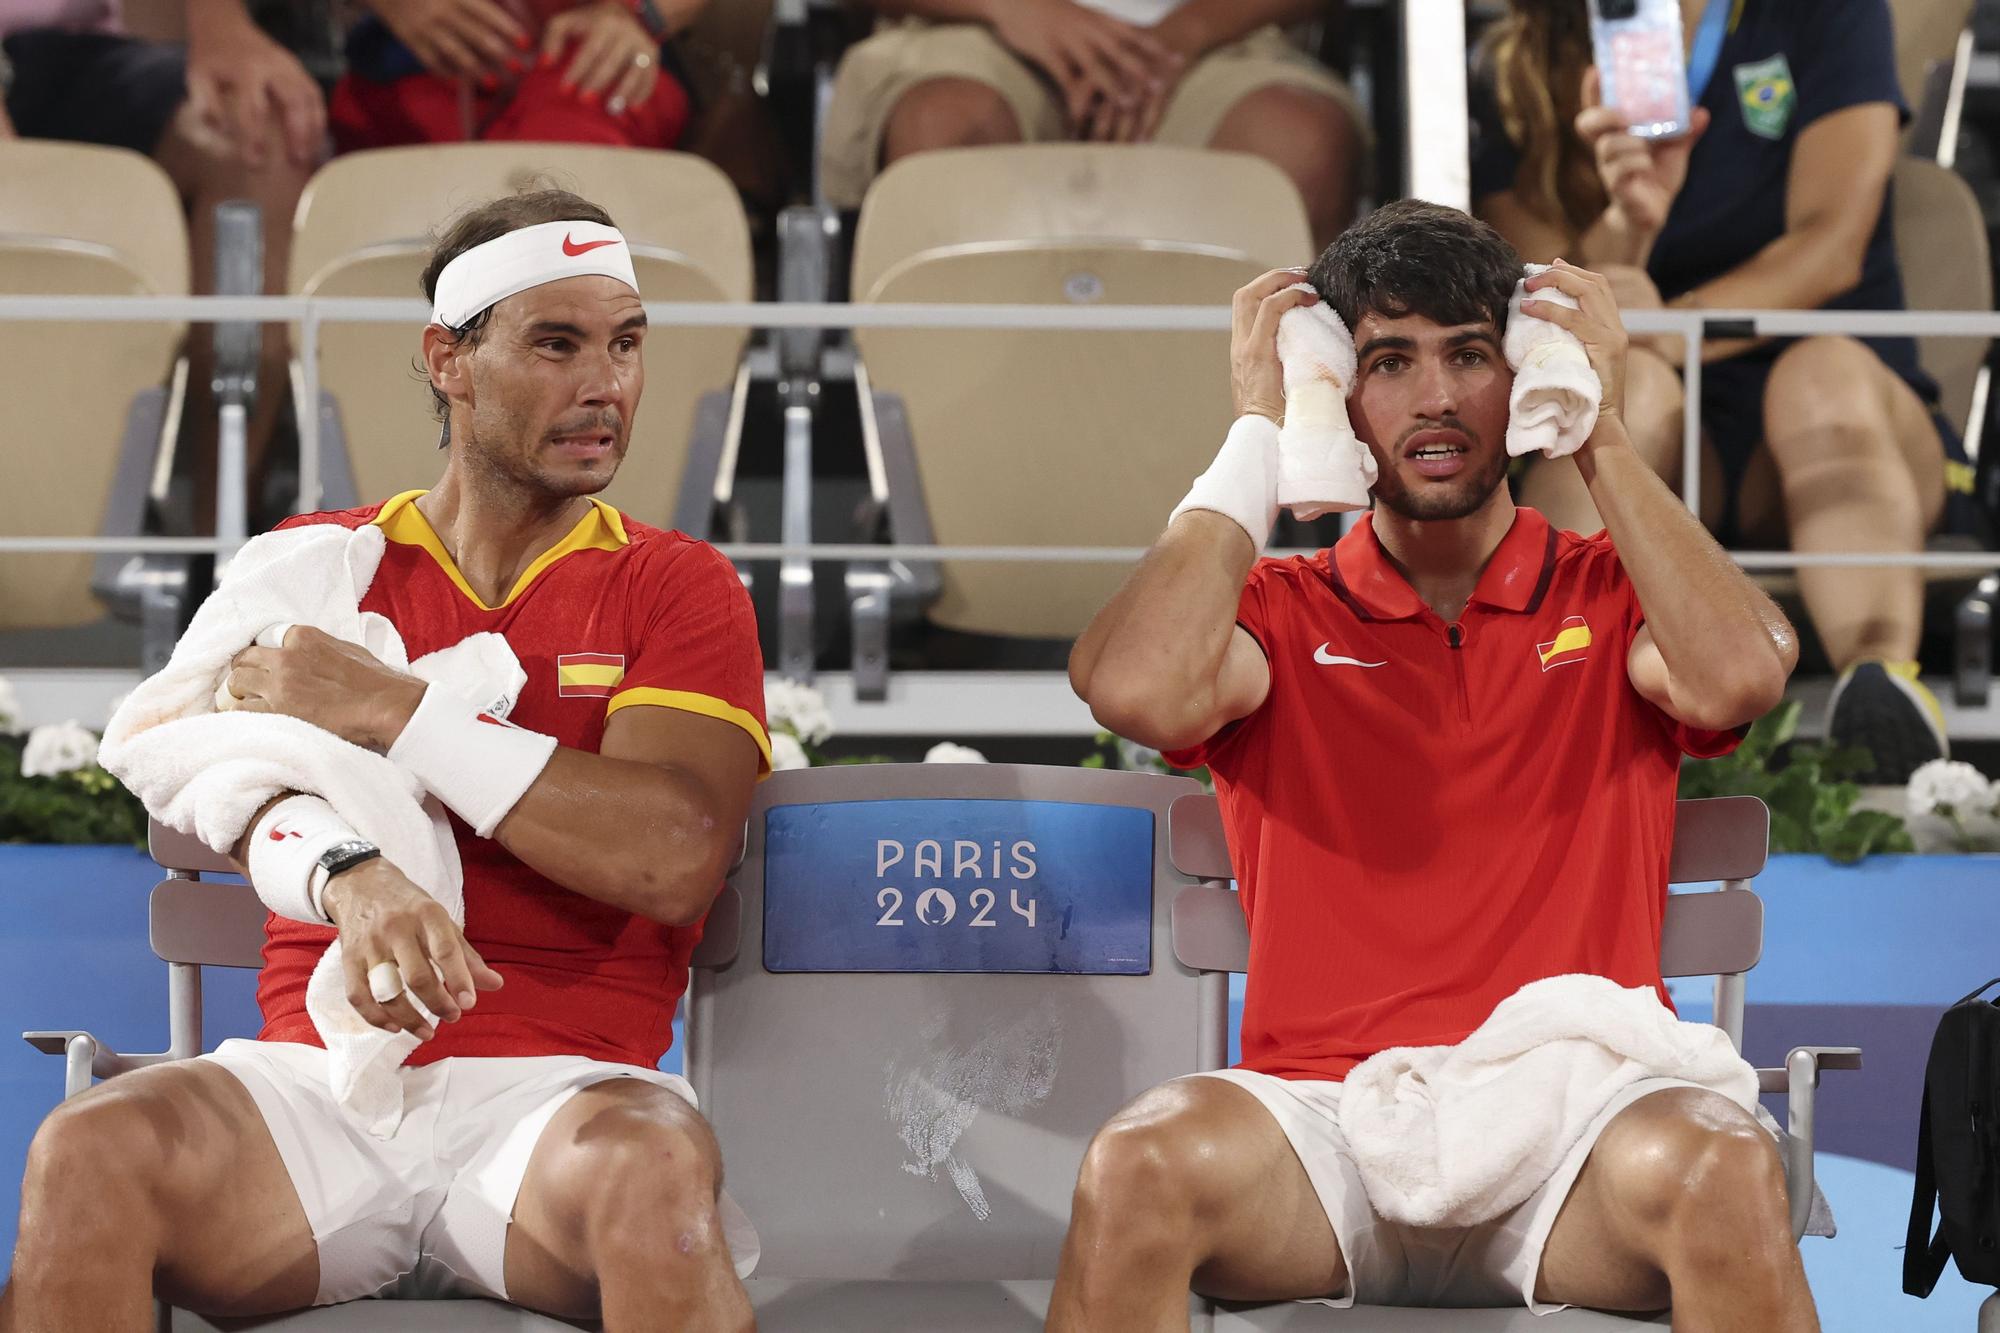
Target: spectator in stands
541,1156
1778,199
232,115
551,71
1446,754
1200,73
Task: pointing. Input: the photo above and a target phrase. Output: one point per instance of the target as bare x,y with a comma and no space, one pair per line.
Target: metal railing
310,313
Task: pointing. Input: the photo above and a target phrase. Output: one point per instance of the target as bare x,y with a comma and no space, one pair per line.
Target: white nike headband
546,252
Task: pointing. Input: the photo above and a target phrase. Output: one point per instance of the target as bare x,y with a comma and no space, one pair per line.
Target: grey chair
196,923
907,1141
1719,934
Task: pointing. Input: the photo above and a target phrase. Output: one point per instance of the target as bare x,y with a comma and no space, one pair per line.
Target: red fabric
582,977
1417,840
424,108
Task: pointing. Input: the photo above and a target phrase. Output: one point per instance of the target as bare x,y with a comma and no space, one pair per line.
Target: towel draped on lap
207,773
1451,1136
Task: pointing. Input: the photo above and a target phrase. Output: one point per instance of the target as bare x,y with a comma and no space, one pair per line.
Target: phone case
1639,50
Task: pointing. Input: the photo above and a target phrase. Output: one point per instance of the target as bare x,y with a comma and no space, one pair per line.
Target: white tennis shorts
1492,1264
424,1213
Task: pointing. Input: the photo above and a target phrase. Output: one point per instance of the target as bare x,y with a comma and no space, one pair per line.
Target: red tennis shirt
1424,817
614,615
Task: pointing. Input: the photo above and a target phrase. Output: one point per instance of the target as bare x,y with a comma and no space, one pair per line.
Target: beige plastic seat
85,406
365,226
1929,57
1046,438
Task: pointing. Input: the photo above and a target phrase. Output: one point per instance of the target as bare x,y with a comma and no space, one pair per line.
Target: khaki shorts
1492,1264
423,1214
875,75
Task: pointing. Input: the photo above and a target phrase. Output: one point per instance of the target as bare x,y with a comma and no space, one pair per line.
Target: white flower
10,703
944,752
58,748
1949,785
786,752
799,709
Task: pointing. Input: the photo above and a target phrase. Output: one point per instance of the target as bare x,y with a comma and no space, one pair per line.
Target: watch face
343,855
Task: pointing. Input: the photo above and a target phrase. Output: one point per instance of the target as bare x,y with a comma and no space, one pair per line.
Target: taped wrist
1242,483
478,765
285,848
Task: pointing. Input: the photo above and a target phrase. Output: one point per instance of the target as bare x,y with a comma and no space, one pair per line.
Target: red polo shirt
1424,817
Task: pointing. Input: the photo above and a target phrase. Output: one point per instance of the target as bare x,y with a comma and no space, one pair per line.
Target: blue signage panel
958,886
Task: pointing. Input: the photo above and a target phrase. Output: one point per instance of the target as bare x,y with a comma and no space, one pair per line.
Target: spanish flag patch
1571,644
588,675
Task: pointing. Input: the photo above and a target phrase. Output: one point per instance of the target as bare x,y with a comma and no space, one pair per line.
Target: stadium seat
1929,60
197,923
1718,934
364,228
87,406
1034,437
903,1064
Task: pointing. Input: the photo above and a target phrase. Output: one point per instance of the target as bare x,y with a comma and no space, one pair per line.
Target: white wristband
285,848
1242,483
478,765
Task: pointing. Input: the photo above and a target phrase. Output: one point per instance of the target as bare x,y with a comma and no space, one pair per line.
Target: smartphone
1641,62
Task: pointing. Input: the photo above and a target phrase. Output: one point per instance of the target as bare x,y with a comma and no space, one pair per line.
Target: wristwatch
345,856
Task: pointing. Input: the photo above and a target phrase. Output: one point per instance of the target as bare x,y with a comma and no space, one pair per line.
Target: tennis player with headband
542,1157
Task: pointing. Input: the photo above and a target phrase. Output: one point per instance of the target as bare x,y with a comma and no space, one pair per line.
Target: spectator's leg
208,174
948,113
167,1170
541,111
1193,1184
1654,410
1312,137
617,1213
1682,1199
1859,468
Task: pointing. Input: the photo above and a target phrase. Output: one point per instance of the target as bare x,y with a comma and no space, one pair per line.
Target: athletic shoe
1883,708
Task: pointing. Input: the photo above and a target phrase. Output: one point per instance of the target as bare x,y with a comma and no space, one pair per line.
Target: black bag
1958,1151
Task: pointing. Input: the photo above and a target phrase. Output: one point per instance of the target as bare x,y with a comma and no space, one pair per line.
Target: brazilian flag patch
1765,90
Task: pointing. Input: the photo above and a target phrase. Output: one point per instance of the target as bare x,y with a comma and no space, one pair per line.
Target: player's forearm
643,837
1727,646
1198,26
1150,664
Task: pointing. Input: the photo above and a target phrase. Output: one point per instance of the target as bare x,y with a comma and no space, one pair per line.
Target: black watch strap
347,855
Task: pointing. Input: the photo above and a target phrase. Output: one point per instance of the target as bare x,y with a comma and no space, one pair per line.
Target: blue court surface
1867,956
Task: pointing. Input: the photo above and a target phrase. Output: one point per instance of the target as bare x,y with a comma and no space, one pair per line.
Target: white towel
1553,407
1456,1135
208,773
1322,467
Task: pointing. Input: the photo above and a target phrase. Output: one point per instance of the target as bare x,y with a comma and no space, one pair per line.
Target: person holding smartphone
1776,195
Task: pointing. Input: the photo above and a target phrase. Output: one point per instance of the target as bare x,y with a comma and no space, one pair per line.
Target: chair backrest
365,227
953,973
1941,247
1723,838
72,386
1046,438
1926,35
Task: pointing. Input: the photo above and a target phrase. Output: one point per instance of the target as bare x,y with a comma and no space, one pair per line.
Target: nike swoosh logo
1325,658
572,249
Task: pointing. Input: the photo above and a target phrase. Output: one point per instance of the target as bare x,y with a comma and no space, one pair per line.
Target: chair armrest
88,1057
1799,1080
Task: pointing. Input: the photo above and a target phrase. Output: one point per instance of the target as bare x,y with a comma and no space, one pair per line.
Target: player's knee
949,113
1692,1166
1140,1167
94,1156
637,1172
